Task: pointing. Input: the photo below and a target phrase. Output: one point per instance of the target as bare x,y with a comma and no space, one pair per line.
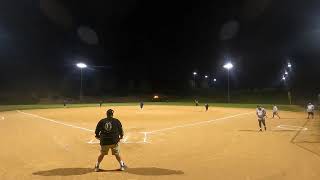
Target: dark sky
157,42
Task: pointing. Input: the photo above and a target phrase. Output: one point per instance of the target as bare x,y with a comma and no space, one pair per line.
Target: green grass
293,108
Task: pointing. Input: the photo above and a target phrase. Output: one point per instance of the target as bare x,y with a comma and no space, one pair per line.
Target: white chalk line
197,123
145,138
191,124
57,122
92,141
293,128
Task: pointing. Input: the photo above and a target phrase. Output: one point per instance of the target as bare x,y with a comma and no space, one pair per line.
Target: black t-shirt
109,130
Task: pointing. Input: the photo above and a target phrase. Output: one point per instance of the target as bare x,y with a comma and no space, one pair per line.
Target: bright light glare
195,73
206,76
214,79
283,78
286,73
155,97
228,66
81,65
289,65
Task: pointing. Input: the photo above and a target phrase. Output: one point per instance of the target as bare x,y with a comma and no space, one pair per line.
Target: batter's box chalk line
293,128
126,139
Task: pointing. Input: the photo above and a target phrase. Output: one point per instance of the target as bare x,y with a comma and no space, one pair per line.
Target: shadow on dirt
143,171
64,172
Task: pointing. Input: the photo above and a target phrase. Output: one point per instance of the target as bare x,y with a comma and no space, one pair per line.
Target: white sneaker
96,168
124,167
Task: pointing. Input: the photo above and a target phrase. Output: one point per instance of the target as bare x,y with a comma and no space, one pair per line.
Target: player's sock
97,164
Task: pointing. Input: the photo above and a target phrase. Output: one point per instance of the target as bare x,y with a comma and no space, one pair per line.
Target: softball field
161,142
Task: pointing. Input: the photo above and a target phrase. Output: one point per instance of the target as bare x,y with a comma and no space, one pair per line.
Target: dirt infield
161,142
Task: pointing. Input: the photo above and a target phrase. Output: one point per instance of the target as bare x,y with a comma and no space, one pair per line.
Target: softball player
207,107
310,110
197,102
261,114
275,112
109,132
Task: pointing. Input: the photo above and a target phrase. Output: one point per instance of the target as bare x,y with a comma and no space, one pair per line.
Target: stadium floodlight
206,76
214,80
283,78
228,66
195,73
81,66
289,65
286,72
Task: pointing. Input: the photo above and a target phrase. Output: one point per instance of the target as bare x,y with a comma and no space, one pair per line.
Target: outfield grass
293,108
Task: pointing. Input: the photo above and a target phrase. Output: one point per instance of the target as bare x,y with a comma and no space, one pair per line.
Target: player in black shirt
109,132
141,105
206,106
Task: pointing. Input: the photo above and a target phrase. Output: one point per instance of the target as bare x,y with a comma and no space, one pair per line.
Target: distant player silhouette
197,102
207,107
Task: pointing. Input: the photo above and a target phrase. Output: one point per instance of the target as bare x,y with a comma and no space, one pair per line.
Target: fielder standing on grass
109,132
141,105
64,103
197,102
262,114
275,112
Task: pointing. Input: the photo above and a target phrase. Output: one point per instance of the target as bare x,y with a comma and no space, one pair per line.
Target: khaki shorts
115,149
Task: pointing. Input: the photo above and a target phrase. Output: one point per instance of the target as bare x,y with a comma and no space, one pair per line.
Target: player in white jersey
275,111
261,114
310,110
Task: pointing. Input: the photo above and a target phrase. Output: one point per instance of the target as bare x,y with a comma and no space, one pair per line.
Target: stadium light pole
228,66
194,79
81,66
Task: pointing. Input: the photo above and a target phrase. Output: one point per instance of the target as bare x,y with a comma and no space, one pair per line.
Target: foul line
197,123
92,141
189,125
54,121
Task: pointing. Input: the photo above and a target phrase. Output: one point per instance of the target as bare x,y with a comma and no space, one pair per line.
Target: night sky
157,44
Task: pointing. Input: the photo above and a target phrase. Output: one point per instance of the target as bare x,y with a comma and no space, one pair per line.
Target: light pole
194,79
228,66
81,66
